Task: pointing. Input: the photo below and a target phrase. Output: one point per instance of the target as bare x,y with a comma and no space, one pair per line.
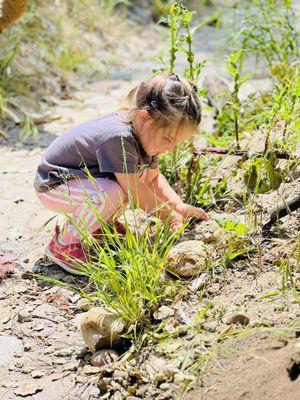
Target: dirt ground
40,340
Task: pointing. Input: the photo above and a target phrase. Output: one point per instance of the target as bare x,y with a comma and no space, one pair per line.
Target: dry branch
239,153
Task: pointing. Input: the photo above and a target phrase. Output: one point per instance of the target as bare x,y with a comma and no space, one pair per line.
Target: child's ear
144,114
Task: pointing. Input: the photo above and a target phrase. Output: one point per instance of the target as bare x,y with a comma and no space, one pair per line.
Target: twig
282,211
240,153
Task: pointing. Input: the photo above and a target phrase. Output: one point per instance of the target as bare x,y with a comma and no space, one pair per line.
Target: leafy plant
235,227
234,104
285,274
181,40
237,240
268,30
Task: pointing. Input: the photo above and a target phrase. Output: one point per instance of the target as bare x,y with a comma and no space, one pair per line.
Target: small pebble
89,370
37,374
164,386
237,319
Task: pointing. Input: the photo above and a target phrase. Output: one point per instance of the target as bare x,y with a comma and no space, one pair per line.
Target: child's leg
84,200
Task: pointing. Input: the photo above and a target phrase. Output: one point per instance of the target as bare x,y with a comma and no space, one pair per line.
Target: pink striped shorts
86,201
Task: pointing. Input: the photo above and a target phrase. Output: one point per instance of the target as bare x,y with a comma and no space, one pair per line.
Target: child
120,151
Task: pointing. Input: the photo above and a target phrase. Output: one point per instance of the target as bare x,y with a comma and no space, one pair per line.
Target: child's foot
69,257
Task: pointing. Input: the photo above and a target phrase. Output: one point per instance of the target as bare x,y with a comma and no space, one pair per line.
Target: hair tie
175,77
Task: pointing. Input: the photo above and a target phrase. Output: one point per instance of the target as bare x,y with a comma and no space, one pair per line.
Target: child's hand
191,211
176,221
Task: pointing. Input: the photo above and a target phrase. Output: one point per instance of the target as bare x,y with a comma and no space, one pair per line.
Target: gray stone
164,312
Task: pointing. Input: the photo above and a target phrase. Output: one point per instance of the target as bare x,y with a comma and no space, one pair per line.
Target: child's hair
167,98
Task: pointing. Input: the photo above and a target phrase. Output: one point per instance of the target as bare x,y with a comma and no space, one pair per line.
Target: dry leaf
28,389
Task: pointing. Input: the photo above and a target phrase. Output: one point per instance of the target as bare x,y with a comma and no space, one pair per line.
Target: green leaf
240,229
202,313
231,70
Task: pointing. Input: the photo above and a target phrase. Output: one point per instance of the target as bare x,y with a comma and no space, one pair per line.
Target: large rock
188,259
208,231
101,328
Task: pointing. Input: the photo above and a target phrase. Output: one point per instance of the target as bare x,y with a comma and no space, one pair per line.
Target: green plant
237,228
182,33
263,174
234,104
285,274
237,243
269,30
125,271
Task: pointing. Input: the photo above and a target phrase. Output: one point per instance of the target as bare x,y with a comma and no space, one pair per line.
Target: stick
282,211
240,153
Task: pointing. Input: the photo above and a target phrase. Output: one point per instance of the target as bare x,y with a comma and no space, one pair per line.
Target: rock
39,326
70,367
59,361
180,377
20,289
208,231
74,298
237,319
59,375
28,389
8,346
81,353
9,384
100,328
83,304
27,347
64,352
197,283
120,376
24,316
187,259
165,386
5,318
210,326
37,374
104,357
89,370
94,391
163,312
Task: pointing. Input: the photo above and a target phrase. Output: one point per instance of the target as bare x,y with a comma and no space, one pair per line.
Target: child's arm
161,187
144,197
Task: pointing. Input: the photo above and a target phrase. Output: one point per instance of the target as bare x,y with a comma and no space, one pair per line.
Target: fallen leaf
28,389
8,259
59,375
59,299
7,264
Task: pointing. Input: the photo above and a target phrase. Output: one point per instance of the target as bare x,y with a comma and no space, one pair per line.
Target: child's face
157,140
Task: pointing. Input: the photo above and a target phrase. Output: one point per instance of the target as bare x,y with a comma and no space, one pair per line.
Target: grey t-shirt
105,146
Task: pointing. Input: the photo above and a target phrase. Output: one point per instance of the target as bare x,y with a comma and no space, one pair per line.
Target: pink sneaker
69,257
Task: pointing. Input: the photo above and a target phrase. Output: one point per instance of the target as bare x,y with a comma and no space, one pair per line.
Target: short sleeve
118,154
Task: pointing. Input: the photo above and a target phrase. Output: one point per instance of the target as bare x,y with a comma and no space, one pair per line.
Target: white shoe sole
61,263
